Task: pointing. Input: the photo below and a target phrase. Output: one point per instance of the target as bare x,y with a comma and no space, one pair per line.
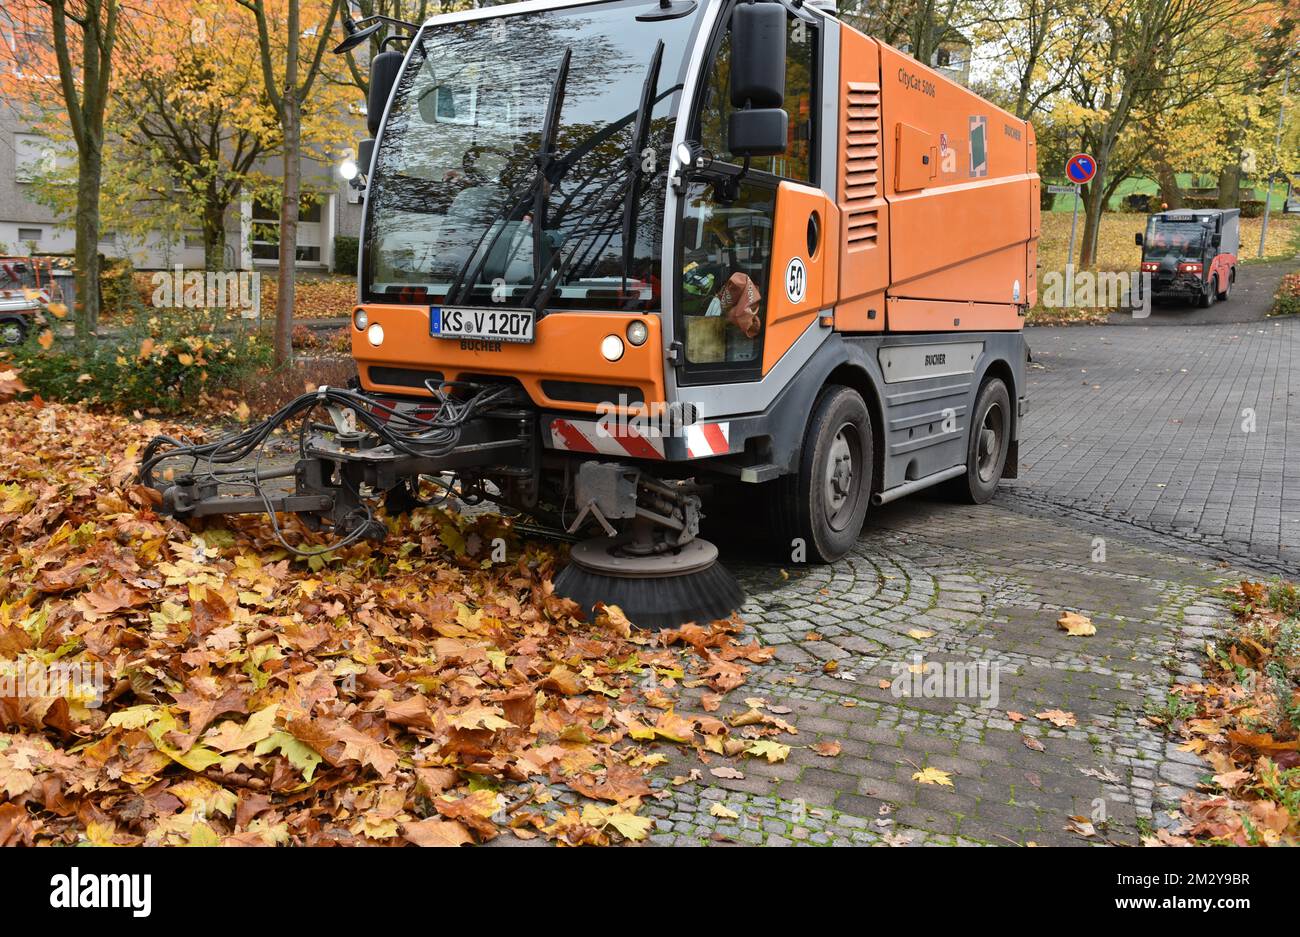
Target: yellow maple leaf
933,776
772,751
1077,626
919,633
718,810
480,717
628,824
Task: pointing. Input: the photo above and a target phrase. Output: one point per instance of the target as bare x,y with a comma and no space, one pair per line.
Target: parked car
27,285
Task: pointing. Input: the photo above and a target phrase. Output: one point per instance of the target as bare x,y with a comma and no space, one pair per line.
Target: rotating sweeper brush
657,571
373,449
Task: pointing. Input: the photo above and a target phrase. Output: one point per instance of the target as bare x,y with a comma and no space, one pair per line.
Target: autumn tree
1155,53
291,55
191,121
70,43
1035,46
918,25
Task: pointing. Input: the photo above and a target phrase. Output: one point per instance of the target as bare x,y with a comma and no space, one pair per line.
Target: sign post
1080,169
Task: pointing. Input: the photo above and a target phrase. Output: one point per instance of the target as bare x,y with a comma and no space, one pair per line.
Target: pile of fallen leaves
162,685
1246,724
314,297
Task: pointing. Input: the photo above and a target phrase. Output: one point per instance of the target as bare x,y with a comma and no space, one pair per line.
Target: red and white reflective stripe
605,439
422,411
707,439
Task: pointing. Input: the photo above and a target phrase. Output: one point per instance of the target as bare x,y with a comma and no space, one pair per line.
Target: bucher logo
933,360
76,890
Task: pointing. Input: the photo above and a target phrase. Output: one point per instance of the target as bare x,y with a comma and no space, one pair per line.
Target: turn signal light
1190,268
1150,268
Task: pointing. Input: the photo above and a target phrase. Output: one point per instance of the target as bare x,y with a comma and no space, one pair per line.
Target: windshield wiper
545,154
536,192
640,136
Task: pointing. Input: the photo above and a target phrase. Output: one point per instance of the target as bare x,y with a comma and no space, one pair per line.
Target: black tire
986,445
13,330
825,502
1227,290
1210,294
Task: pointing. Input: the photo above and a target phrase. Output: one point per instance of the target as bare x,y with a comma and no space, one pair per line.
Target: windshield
1167,238
456,181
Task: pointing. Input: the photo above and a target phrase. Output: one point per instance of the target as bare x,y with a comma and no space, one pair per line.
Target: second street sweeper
623,259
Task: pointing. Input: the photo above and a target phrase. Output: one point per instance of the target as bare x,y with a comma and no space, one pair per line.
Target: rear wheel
825,502
986,449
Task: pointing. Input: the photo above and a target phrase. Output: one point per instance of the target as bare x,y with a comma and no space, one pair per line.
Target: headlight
612,348
637,333
359,319
376,334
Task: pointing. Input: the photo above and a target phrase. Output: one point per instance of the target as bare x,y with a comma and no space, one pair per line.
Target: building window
29,234
266,229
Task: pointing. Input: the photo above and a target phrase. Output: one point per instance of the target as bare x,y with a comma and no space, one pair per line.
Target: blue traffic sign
1081,168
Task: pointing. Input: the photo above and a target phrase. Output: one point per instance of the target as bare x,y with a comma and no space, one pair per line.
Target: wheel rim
11,334
843,477
989,446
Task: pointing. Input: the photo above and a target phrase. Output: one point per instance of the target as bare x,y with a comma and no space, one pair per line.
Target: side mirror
1216,240
384,69
365,152
1137,239
758,126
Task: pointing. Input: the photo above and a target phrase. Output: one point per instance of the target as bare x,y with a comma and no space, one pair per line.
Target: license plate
498,325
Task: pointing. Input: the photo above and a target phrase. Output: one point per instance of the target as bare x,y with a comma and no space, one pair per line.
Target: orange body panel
949,183
786,321
565,347
864,213
925,315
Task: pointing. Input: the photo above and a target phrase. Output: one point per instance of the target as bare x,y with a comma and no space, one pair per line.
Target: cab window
726,224
800,66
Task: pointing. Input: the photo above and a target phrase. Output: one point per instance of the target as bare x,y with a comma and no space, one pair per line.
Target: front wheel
986,449
1227,287
13,331
1211,292
825,502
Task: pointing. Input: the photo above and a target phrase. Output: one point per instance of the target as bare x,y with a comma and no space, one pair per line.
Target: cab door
751,246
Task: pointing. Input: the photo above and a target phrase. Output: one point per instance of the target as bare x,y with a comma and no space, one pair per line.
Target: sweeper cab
1192,254
625,262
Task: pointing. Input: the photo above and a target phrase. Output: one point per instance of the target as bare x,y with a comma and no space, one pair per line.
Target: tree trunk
1171,194
1230,184
214,233
89,170
288,231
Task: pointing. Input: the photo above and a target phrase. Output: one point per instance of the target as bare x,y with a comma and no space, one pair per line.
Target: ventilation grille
862,164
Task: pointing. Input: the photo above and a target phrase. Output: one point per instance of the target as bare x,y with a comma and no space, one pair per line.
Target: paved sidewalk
1191,431
989,583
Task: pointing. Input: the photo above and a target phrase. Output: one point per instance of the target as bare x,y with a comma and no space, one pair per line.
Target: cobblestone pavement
1193,432
972,585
